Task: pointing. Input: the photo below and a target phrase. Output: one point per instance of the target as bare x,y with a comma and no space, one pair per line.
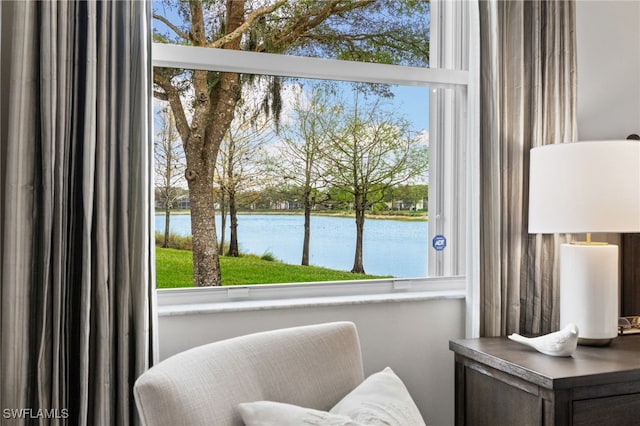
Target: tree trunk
167,220
358,266
212,116
206,265
233,218
307,229
233,211
223,221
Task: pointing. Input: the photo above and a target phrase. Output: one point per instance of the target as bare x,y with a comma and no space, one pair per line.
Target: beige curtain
527,99
75,149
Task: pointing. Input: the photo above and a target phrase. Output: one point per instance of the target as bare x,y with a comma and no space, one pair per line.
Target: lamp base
589,291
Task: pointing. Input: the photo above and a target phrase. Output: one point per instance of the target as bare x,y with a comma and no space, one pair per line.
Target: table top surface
617,362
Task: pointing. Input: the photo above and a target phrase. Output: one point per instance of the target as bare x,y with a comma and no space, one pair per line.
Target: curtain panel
527,99
76,276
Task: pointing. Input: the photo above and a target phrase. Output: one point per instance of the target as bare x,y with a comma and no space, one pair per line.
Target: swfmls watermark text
35,413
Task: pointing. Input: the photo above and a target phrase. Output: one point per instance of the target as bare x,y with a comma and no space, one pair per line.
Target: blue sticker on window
439,242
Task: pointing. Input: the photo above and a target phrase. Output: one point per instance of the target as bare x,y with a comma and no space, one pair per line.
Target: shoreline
351,215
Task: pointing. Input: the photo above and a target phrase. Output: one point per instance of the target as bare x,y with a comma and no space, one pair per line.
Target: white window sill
195,301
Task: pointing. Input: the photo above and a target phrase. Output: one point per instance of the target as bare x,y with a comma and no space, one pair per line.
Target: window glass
283,179
288,185
379,31
448,164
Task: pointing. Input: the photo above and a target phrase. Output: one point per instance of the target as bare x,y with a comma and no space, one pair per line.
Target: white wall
410,337
608,42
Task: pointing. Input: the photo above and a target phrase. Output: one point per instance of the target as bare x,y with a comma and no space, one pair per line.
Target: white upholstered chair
311,366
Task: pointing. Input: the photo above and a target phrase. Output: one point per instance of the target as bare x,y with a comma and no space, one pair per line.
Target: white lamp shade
585,187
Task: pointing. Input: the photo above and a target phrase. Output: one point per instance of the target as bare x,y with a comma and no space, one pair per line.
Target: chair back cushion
311,366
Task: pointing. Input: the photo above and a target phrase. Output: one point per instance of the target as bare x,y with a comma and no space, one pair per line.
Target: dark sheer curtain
77,299
527,99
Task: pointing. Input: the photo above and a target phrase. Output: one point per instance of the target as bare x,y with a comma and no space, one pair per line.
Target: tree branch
173,96
173,27
221,42
313,18
160,95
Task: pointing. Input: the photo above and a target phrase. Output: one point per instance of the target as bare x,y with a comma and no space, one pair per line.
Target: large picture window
338,156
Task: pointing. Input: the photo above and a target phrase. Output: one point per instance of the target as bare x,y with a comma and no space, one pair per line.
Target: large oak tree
393,31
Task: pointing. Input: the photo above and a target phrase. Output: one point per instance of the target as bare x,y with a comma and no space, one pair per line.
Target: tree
345,29
240,166
169,165
415,195
300,152
369,154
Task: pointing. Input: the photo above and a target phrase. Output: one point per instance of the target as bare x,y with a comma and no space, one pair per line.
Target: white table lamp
586,187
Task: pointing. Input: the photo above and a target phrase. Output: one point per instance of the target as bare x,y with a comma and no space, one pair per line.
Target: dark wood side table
500,382
630,274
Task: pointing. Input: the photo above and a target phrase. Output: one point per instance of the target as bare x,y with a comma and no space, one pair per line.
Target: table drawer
617,410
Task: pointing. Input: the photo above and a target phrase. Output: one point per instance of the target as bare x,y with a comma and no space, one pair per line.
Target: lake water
391,247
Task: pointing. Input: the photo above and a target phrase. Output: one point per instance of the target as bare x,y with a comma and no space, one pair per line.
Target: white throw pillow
268,413
382,399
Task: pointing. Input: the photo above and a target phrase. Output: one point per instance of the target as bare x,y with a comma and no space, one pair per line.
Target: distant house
406,205
280,205
182,203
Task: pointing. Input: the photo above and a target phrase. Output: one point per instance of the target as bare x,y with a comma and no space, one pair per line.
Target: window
444,92
342,30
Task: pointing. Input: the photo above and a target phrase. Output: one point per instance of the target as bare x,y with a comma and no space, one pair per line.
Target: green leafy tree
417,195
370,153
366,30
413,195
338,199
298,160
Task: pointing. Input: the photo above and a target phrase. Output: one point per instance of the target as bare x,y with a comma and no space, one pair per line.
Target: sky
415,101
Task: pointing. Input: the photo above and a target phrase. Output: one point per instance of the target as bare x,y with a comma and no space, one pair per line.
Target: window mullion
176,56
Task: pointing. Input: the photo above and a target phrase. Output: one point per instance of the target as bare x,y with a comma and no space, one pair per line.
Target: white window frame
452,263
455,39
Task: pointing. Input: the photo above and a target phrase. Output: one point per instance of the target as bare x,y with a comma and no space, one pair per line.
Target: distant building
279,205
181,203
406,205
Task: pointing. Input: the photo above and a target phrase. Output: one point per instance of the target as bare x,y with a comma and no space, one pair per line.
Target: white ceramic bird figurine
559,343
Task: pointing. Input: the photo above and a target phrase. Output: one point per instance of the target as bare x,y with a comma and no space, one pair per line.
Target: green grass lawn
174,269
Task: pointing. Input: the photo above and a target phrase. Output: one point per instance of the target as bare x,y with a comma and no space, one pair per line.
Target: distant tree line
400,198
